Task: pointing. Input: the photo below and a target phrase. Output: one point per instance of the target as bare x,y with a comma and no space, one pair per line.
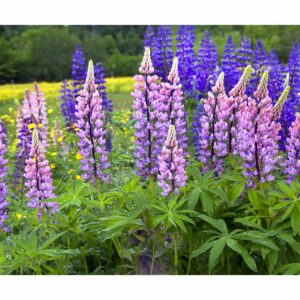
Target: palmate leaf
287,190
216,251
236,191
216,223
202,249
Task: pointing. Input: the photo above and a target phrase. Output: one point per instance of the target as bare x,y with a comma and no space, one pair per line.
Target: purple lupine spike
78,70
186,57
260,64
67,105
146,96
38,179
276,81
90,124
292,102
162,54
172,175
149,37
99,71
244,54
206,64
208,149
3,172
172,96
258,135
229,65
41,114
292,163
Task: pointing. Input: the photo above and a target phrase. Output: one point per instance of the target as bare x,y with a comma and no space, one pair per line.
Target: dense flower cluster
146,96
172,163
90,130
38,181
162,54
292,164
3,171
78,70
67,104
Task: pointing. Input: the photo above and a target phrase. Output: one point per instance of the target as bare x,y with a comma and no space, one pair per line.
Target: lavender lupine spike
38,179
41,114
186,57
172,96
147,135
90,124
78,70
292,102
257,135
172,175
244,54
24,123
67,105
99,71
162,52
292,163
3,172
229,65
208,135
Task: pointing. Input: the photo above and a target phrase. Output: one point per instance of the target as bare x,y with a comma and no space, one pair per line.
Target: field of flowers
190,167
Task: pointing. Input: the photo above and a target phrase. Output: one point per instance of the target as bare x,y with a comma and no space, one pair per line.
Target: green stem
153,258
190,253
175,253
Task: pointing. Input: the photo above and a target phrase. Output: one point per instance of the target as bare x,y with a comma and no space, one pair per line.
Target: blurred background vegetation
44,53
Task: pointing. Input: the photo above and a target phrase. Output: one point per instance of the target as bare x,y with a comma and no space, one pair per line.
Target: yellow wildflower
18,216
78,155
53,153
60,139
31,126
78,177
41,125
52,166
50,111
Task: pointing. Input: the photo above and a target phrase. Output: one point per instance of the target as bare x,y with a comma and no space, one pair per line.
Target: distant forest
44,53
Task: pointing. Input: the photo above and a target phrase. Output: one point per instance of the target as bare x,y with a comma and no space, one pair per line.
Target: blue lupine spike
229,65
162,55
244,54
149,37
292,102
78,70
186,57
67,104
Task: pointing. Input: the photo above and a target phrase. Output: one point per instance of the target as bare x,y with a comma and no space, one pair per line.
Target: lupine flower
292,102
186,57
278,107
3,171
172,175
260,64
244,53
38,181
149,37
229,65
206,65
292,163
90,124
78,70
67,104
99,71
41,115
146,95
257,135
211,132
24,123
162,54
172,96
275,85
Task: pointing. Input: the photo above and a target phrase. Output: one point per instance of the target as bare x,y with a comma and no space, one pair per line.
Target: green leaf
245,221
236,191
207,202
193,198
272,260
253,197
216,223
216,251
286,190
202,249
295,219
50,241
235,246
